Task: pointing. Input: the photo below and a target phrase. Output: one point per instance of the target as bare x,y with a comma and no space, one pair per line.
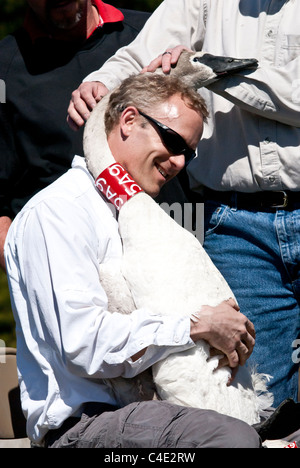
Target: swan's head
199,69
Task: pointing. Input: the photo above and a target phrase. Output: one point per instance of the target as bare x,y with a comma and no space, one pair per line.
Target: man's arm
173,22
5,223
59,263
270,92
186,15
226,330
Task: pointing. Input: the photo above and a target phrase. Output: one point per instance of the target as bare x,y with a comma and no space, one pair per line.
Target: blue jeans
259,255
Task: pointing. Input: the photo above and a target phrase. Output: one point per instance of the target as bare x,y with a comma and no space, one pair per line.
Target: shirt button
176,339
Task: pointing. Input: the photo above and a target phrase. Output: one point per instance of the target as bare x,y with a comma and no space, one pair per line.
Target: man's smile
161,171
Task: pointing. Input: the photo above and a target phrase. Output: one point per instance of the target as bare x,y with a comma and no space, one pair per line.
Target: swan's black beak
225,65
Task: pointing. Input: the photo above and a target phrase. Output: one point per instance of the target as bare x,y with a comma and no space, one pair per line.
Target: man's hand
165,60
83,101
227,330
89,94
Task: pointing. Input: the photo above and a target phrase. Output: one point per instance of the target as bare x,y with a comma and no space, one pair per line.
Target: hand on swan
226,329
83,101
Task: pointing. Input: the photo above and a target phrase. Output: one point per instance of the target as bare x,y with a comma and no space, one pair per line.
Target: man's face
60,14
148,161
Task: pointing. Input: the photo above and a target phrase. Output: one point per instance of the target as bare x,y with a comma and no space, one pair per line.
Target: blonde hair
146,91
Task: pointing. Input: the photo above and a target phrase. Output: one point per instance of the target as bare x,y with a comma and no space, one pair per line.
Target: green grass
7,324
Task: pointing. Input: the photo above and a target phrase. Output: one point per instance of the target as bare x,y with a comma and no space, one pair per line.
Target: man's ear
128,120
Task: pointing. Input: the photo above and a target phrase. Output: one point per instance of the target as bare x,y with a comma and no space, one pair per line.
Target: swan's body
166,270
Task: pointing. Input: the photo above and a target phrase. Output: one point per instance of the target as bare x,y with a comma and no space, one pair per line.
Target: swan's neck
97,152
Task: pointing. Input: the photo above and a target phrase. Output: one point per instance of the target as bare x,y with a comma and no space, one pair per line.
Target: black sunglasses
174,142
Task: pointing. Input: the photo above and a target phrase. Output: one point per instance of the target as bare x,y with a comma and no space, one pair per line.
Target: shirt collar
107,13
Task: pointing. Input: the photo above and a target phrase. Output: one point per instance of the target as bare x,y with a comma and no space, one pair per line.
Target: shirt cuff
171,336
